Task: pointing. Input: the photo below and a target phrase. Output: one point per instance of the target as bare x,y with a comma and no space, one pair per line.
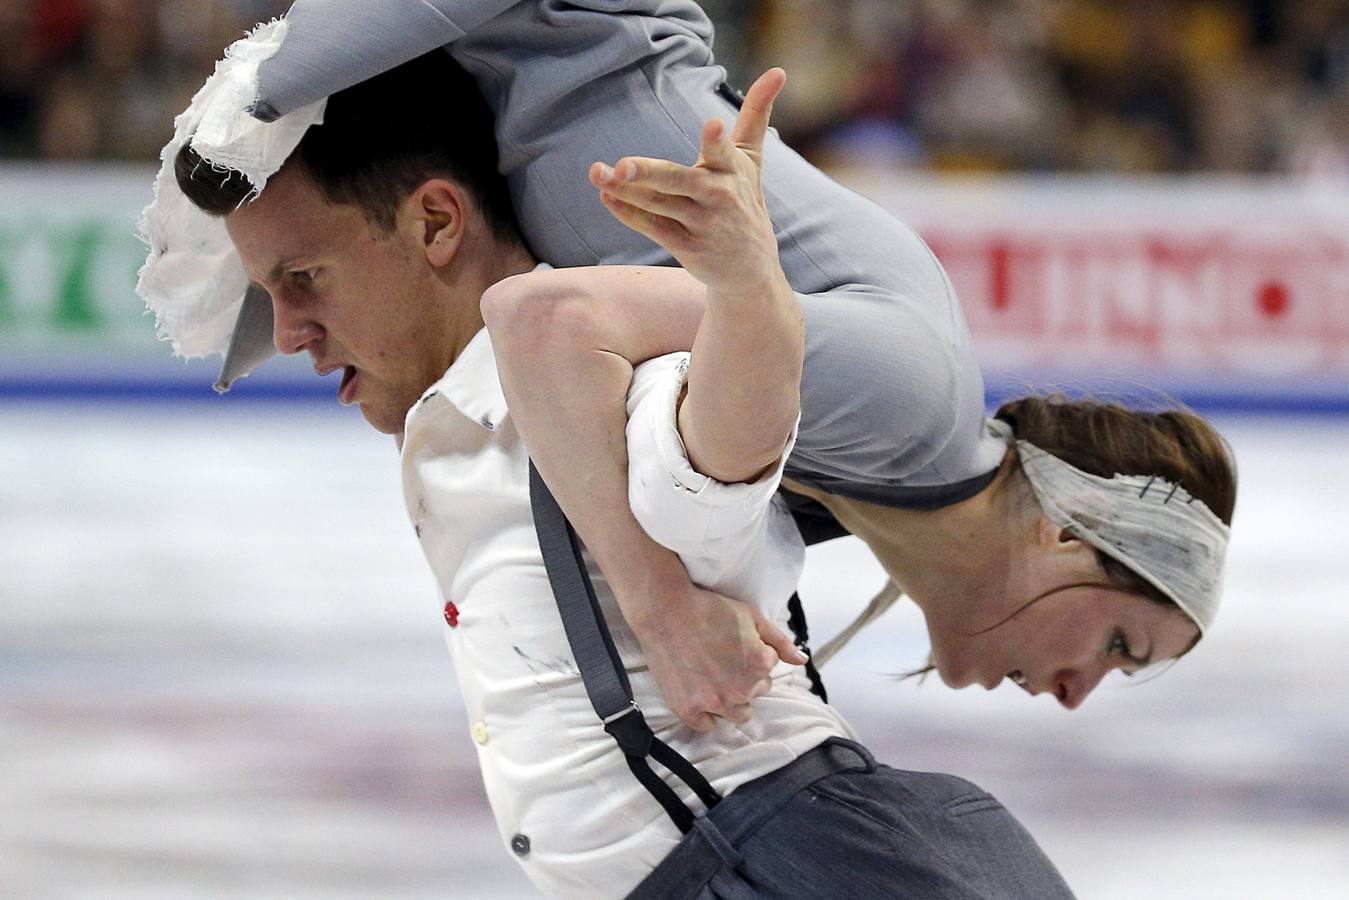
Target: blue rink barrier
147,390
1308,400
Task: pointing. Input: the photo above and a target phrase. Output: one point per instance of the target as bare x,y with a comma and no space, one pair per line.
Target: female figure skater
893,438
1096,544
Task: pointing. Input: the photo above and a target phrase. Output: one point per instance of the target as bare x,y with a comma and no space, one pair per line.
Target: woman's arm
744,384
566,341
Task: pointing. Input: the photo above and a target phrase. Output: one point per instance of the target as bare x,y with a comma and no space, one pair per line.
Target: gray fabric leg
891,388
891,391
860,834
717,841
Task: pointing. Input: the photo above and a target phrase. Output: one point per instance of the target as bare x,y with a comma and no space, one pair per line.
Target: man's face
357,300
1066,642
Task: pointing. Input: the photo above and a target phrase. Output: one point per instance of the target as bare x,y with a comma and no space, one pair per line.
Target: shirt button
451,613
520,845
480,732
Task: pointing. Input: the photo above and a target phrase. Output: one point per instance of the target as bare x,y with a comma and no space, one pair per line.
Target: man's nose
292,330
1073,686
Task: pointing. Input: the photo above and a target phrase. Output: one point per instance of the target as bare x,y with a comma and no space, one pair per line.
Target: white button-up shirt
552,774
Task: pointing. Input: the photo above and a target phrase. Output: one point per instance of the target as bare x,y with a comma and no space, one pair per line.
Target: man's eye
1119,646
303,277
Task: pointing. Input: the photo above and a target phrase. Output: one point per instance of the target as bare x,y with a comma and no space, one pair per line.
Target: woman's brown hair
1107,439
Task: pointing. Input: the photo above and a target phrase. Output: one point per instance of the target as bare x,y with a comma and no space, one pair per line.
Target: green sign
69,254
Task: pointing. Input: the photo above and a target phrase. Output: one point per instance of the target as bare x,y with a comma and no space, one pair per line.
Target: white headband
192,279
1154,527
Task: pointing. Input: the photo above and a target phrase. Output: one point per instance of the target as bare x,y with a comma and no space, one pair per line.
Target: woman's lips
346,391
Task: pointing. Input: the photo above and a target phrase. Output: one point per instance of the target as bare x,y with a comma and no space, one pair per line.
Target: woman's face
1065,642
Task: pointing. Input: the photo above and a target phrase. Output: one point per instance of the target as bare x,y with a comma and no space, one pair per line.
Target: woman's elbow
516,305
529,314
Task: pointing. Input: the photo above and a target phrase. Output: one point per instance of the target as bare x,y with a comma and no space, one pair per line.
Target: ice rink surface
222,674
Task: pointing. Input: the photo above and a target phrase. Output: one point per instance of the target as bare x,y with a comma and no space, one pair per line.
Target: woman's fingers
688,195
719,151
680,206
716,152
752,125
655,174
665,231
685,210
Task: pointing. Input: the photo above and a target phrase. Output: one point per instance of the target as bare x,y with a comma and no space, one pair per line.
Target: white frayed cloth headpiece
1169,538
192,279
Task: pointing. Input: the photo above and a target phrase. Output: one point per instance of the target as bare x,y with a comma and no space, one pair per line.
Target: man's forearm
579,447
566,342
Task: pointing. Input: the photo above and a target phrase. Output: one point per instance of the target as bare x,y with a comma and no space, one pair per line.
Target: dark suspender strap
796,621
671,759
606,682
667,798
601,668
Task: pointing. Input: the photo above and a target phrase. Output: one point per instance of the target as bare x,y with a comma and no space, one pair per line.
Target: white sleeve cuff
678,506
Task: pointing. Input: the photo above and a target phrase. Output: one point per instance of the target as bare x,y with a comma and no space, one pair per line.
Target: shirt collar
472,385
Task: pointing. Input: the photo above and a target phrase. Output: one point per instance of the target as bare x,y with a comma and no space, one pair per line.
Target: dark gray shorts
835,824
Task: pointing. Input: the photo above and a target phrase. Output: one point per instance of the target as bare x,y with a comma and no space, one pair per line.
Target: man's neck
500,260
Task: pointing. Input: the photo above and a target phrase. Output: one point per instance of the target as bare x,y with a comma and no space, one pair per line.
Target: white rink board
1220,287
222,674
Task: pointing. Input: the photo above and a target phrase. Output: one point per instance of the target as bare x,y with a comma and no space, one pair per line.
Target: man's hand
713,656
711,216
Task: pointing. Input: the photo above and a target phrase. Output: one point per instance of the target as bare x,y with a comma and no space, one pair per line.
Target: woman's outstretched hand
710,216
711,655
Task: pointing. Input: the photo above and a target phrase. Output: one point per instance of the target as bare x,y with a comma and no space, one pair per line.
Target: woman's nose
1073,686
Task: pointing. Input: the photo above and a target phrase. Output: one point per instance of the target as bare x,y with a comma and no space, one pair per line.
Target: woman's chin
953,675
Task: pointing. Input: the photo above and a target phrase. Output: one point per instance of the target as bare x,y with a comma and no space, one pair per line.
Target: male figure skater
375,243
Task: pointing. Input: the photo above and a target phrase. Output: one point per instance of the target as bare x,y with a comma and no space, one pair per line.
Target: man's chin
380,419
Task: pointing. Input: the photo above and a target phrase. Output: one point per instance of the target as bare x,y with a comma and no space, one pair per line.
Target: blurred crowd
953,85
103,79
1066,85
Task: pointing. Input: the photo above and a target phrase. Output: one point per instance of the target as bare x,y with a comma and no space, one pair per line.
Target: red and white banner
1166,281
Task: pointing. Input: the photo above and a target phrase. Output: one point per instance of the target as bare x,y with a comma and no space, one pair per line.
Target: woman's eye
303,277
1120,646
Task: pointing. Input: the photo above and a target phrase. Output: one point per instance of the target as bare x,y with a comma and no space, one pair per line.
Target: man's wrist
647,593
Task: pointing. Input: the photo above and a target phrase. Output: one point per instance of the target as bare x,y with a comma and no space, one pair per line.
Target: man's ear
437,209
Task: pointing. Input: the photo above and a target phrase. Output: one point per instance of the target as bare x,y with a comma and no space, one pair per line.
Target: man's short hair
379,141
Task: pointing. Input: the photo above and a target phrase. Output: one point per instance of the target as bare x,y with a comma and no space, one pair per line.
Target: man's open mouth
346,391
